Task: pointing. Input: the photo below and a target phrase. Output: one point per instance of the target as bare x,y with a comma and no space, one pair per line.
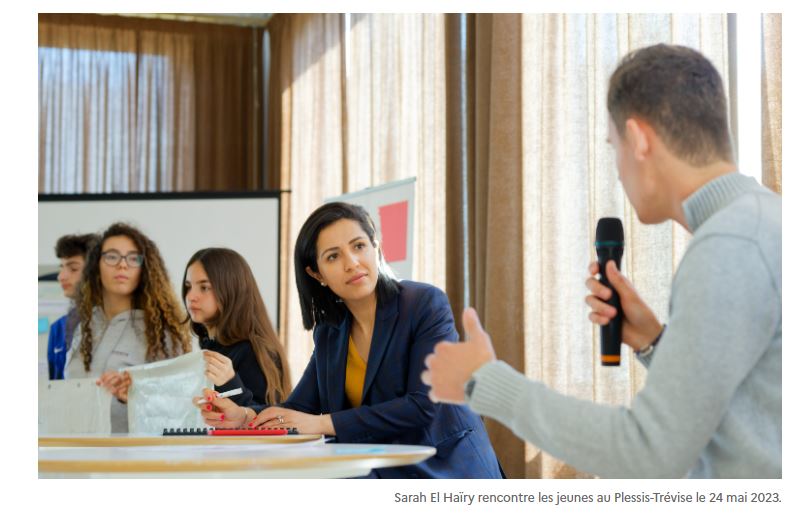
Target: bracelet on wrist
647,351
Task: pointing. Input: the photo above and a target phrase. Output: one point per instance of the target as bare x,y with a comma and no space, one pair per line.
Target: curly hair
75,245
242,316
154,295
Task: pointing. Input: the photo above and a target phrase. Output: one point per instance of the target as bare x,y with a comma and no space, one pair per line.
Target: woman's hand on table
280,417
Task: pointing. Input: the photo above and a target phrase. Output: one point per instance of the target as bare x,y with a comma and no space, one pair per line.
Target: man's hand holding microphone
450,366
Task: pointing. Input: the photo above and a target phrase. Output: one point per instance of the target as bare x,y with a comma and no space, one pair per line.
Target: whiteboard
179,224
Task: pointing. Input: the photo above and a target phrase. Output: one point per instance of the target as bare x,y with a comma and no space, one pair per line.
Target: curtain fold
503,268
133,105
540,177
771,105
306,54
460,160
395,105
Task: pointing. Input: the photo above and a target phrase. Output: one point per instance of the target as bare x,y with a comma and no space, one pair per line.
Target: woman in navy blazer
363,317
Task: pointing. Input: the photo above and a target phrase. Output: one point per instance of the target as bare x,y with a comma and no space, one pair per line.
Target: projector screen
179,224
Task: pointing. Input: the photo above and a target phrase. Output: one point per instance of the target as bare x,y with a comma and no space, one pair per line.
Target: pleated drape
539,177
135,105
354,107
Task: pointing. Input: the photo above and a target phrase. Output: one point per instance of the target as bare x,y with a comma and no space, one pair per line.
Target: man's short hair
75,245
680,94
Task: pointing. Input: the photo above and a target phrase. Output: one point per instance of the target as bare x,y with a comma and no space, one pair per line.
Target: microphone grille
610,229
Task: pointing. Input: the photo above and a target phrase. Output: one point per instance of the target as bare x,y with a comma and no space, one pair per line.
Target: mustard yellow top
355,375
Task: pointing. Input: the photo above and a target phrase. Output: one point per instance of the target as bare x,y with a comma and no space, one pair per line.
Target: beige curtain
355,107
395,115
543,176
306,57
771,109
136,105
80,73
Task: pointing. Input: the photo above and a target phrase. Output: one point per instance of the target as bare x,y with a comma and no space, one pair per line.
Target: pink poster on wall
393,224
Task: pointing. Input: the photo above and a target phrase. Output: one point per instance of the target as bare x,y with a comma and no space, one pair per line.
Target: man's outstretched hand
451,364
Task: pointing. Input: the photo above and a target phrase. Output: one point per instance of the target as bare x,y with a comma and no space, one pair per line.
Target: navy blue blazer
395,406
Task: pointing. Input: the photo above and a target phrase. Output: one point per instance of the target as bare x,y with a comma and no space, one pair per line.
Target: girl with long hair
228,315
127,312
371,332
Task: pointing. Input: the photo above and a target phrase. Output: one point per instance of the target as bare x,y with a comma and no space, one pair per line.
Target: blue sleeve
51,357
55,339
385,421
305,396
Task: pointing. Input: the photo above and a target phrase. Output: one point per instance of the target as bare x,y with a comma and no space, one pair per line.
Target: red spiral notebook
230,431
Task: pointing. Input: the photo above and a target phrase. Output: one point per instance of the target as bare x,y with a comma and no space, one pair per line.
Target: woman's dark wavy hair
318,303
154,295
242,316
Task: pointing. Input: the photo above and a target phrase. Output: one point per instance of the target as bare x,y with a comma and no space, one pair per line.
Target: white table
233,459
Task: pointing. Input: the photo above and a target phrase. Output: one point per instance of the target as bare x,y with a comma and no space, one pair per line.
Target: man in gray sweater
711,404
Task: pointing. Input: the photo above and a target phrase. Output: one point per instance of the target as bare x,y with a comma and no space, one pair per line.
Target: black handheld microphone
610,245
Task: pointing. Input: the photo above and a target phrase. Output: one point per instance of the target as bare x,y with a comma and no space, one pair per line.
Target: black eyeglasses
112,258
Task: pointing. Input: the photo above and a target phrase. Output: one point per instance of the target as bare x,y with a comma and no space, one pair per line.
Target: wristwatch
469,388
647,351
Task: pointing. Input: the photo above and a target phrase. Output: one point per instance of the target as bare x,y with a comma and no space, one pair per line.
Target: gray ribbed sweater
711,404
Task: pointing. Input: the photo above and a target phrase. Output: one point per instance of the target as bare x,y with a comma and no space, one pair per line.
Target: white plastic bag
161,394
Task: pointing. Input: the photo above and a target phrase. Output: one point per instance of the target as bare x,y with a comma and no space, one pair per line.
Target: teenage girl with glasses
128,315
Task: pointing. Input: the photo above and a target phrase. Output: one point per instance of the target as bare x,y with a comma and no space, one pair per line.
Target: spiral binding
209,430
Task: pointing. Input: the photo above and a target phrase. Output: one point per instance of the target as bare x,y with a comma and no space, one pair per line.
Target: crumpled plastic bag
161,394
